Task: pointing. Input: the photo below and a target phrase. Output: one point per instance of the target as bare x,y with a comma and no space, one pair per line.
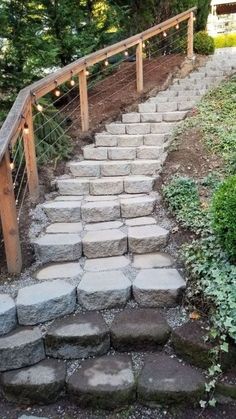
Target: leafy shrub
224,215
203,43
213,277
183,199
225,40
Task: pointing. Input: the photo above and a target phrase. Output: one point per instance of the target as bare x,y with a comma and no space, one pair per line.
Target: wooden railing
19,122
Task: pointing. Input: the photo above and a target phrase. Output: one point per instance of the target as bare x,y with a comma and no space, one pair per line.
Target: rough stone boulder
41,383
106,383
165,380
78,336
142,329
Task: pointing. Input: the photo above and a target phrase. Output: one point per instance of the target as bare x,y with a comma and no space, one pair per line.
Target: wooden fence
19,122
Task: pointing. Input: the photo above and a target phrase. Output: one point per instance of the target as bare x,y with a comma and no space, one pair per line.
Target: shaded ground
66,410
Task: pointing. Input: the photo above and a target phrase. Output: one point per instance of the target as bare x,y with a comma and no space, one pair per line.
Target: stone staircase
106,269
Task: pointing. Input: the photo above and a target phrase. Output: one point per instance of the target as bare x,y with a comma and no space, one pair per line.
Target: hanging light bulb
12,165
126,53
144,45
72,81
106,62
177,26
26,128
39,107
56,91
87,72
194,18
164,34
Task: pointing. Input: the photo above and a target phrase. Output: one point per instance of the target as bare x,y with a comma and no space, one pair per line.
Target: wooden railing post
30,157
83,89
139,66
9,218
190,36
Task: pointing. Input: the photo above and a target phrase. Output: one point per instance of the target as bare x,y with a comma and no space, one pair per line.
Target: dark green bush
203,43
224,215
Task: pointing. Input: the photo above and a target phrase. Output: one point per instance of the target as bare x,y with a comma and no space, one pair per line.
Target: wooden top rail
14,121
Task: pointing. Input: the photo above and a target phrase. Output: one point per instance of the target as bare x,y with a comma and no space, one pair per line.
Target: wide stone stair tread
165,380
40,383
69,270
77,336
139,330
189,341
20,348
147,239
141,128
45,301
106,186
103,290
158,287
107,383
58,247
113,143
8,318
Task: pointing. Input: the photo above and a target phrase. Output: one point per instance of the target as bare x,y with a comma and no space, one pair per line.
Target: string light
194,18
72,81
144,45
106,63
26,128
12,165
56,91
164,34
177,26
87,73
39,107
126,53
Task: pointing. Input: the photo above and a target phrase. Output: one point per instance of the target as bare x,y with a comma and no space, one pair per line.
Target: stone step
46,301
7,314
165,380
107,383
158,287
150,166
106,186
60,211
103,290
41,384
113,142
69,270
104,243
189,342
152,260
139,330
147,239
58,247
21,348
187,96
106,264
64,228
78,336
96,212
140,128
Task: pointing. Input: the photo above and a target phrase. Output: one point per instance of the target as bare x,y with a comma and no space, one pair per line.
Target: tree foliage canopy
37,36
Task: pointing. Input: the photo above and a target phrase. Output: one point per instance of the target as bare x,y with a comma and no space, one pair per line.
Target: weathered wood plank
190,36
9,218
139,66
83,90
30,157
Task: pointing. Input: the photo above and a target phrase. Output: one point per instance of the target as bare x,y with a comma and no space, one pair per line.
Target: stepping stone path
100,250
